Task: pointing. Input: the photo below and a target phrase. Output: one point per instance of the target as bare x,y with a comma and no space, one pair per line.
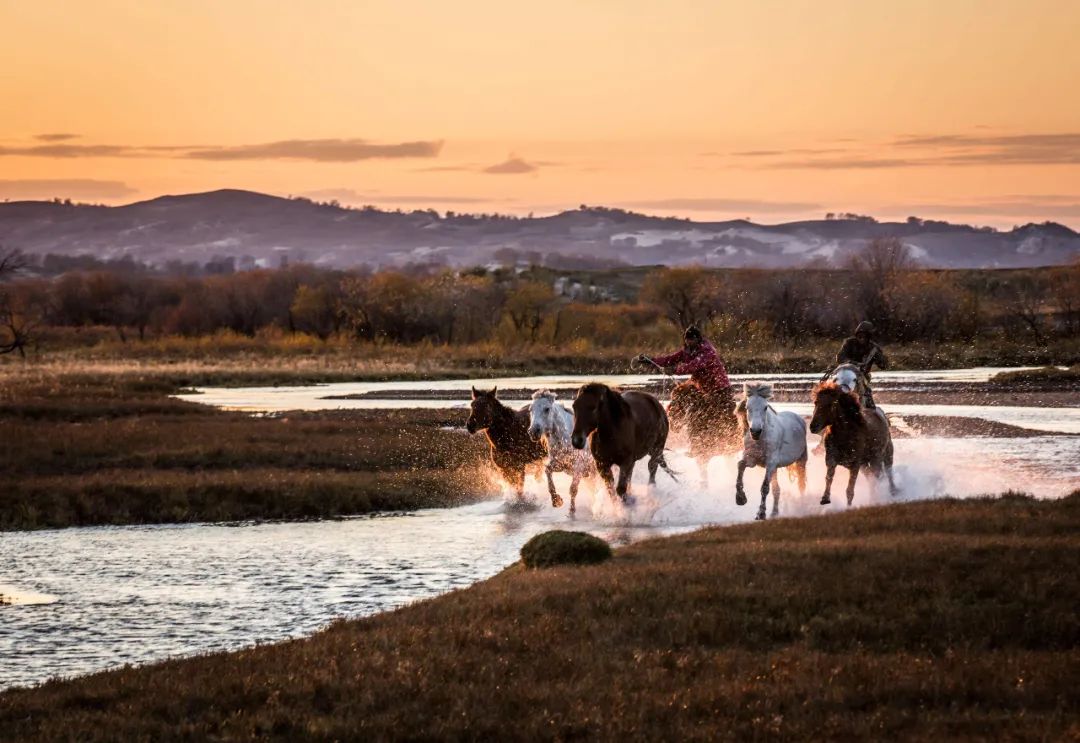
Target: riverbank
93,449
931,620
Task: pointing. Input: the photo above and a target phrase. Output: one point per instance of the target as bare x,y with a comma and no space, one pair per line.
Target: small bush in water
564,548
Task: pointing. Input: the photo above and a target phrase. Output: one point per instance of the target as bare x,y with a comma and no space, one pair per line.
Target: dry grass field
927,621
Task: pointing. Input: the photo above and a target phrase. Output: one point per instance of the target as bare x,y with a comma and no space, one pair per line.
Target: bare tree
15,326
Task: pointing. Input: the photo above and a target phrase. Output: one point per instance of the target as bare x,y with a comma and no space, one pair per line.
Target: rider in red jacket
699,359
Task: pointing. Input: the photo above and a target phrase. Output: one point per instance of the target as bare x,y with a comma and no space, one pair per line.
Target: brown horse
856,438
621,428
512,449
707,419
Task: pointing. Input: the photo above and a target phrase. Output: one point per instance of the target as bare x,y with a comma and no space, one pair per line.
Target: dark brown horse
856,438
512,449
621,428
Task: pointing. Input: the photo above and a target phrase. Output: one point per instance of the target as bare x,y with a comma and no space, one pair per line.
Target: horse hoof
760,516
825,501
740,499
556,501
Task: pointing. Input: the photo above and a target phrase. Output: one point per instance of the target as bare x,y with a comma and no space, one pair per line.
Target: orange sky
964,109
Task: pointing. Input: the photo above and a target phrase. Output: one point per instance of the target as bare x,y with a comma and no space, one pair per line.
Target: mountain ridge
265,230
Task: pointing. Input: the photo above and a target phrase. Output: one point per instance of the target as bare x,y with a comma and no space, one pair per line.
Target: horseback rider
862,351
699,359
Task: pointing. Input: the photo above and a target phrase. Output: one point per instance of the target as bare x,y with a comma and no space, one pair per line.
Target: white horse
770,440
553,422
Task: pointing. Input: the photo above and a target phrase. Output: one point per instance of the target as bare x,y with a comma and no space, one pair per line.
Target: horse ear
474,394
494,391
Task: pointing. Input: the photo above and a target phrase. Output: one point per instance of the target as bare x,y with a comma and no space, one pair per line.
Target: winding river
94,598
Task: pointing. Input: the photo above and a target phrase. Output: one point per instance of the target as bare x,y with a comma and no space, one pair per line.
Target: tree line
538,305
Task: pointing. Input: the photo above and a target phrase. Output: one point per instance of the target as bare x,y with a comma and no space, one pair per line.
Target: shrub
560,547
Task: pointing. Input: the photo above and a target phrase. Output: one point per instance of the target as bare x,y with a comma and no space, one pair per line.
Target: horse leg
625,473
654,464
556,501
609,480
800,474
851,484
770,474
830,470
888,470
740,494
573,490
775,494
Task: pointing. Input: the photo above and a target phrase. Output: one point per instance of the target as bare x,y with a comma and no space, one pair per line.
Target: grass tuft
559,547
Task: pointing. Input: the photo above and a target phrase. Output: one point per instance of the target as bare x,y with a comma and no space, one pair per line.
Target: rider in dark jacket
861,350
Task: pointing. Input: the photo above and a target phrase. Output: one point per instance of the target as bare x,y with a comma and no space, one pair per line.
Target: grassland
927,621
88,448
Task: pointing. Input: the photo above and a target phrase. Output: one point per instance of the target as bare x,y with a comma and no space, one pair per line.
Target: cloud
726,205
1043,206
351,196
61,137
843,163
70,150
318,150
513,165
64,188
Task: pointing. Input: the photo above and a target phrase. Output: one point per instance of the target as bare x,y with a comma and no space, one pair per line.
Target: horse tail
662,461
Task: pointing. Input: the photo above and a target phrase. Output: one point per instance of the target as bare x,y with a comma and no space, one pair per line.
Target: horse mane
544,393
849,401
740,415
758,389
612,399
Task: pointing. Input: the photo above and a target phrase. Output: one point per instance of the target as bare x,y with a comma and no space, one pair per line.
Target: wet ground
79,600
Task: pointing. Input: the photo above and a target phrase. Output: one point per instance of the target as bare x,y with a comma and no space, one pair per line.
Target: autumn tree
527,305
687,296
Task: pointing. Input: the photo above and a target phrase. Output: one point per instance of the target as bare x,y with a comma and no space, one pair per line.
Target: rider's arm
880,359
844,354
670,359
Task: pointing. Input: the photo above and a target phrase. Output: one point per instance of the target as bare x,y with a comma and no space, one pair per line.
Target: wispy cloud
64,188
927,150
726,205
1039,206
352,196
58,137
70,150
317,150
512,165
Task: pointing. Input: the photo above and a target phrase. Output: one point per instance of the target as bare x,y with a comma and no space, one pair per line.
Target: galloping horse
621,428
856,438
708,421
850,378
770,440
554,424
512,449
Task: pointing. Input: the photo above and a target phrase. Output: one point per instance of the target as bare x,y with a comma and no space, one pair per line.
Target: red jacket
703,364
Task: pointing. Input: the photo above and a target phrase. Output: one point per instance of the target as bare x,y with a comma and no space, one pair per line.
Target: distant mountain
259,229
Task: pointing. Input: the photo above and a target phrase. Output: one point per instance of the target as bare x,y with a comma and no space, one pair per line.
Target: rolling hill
259,229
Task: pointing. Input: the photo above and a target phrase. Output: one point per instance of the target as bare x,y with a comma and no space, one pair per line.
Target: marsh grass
926,621
84,449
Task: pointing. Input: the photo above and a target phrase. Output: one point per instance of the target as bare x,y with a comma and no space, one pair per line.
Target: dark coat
863,353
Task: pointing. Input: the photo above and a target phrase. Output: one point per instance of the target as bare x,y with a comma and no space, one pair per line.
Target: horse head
755,407
832,405
847,377
542,413
593,403
482,409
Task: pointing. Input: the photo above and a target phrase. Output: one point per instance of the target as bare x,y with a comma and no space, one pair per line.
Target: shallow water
109,596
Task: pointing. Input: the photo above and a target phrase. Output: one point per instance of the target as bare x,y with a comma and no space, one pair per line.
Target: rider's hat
692,332
865,327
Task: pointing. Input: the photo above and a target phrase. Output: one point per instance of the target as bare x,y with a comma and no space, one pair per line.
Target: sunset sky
959,109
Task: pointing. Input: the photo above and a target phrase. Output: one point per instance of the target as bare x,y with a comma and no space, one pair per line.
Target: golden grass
97,448
928,621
